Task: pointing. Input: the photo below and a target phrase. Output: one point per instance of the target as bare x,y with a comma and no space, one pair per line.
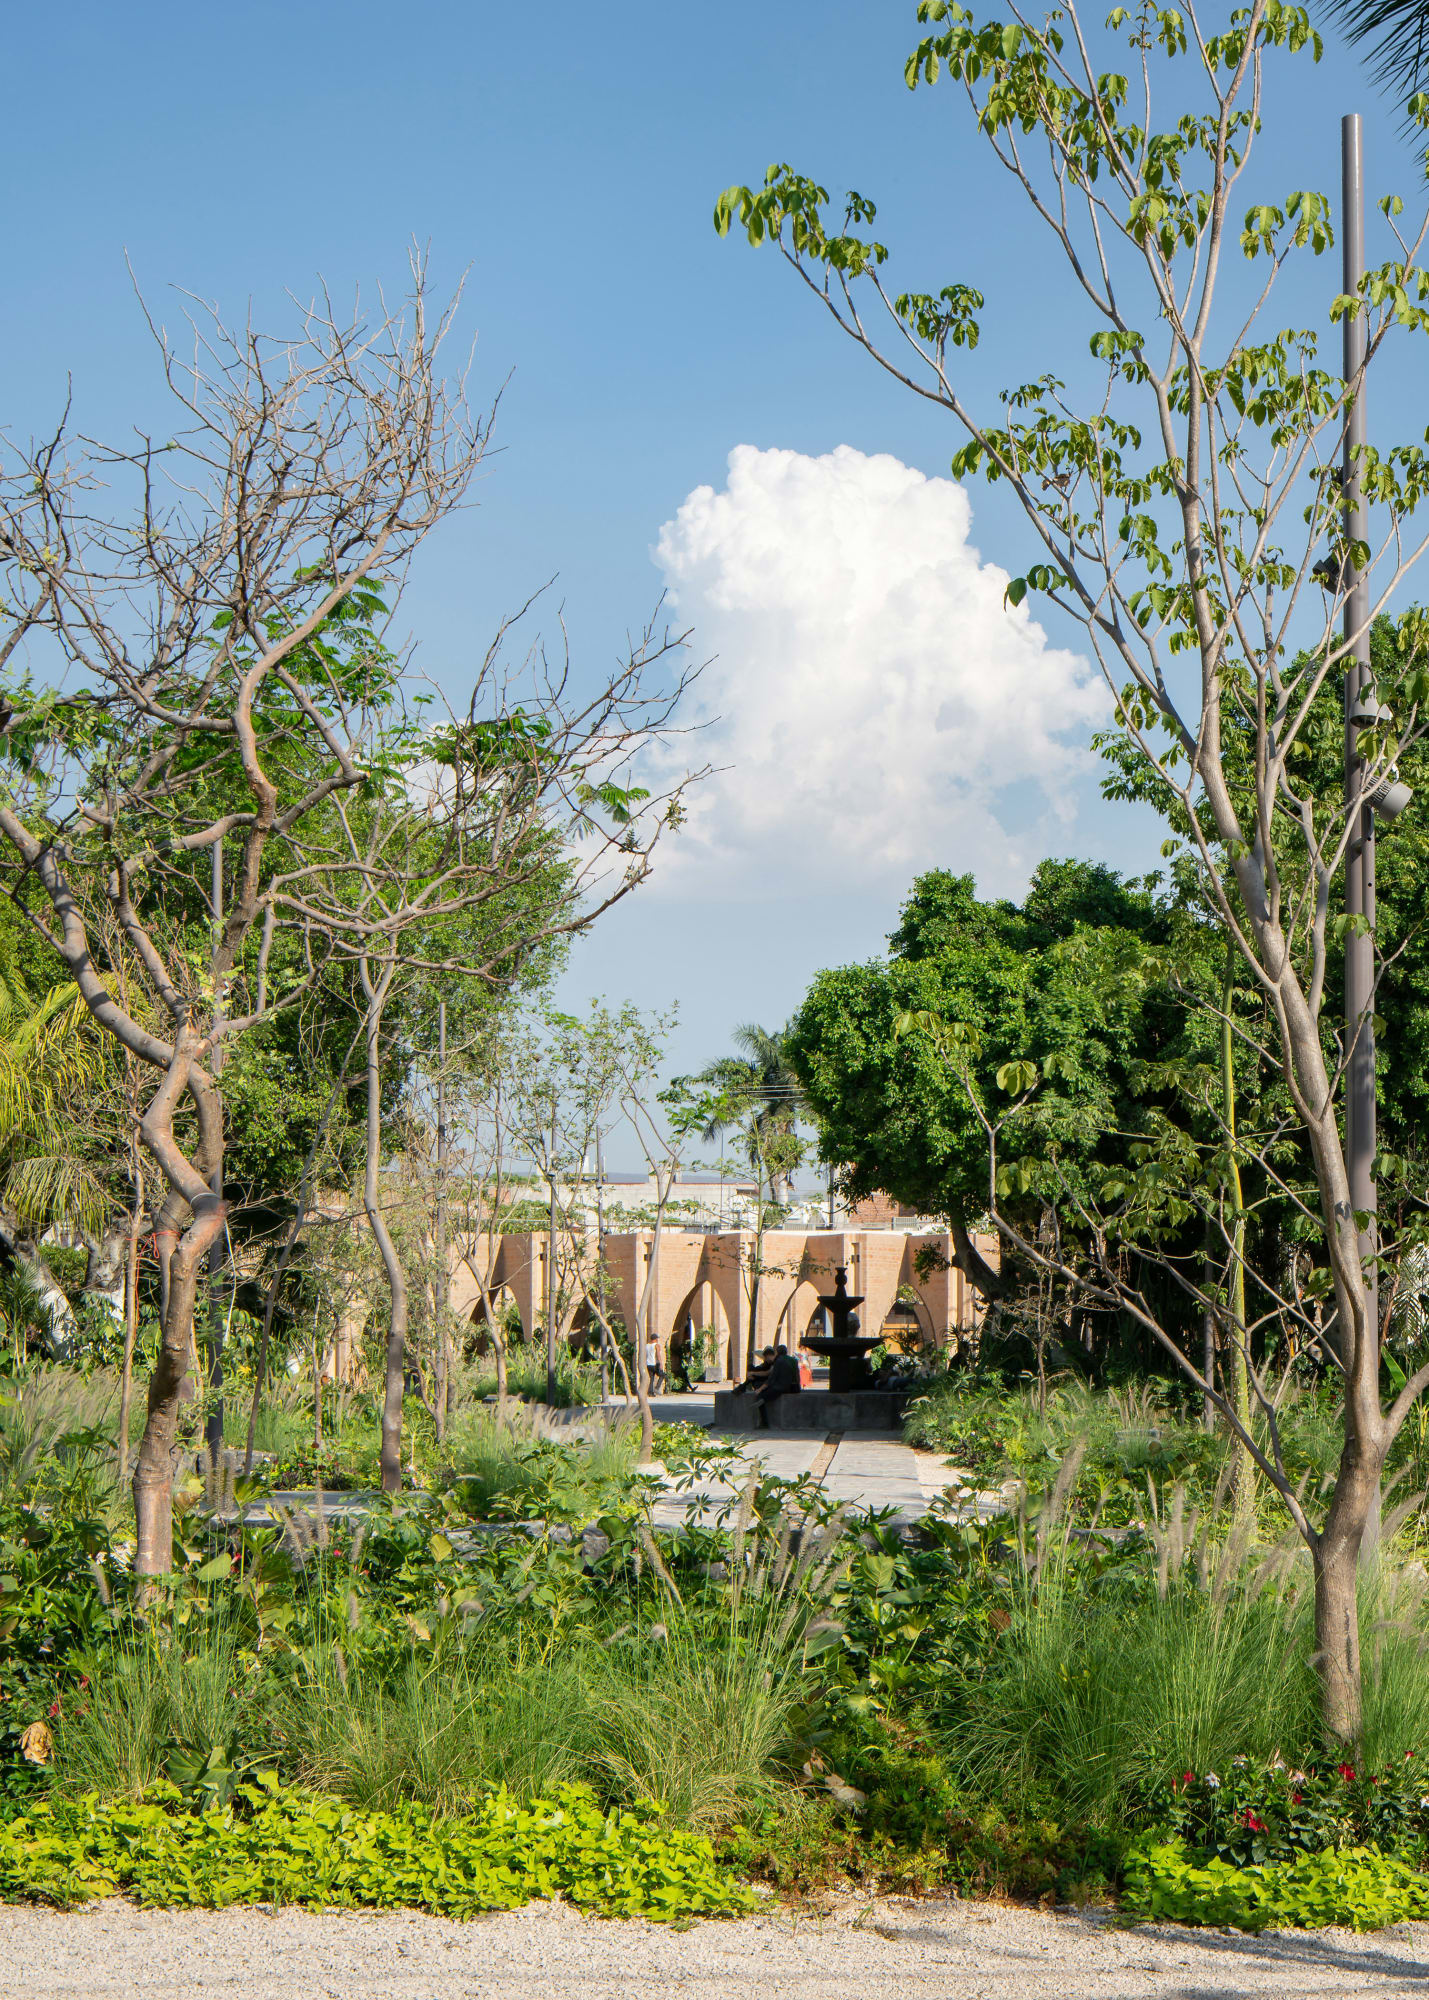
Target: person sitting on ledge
755,1380
782,1380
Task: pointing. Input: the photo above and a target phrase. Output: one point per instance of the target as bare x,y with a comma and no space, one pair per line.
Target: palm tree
760,1094
49,1060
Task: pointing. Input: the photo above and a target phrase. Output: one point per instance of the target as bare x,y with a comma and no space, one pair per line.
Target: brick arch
917,1305
476,1319
723,1269
799,1309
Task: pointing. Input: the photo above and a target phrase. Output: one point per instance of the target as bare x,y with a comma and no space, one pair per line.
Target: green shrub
1358,1887
275,1846
1250,1813
153,1699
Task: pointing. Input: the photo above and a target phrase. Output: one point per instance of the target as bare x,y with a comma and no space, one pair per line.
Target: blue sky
567,162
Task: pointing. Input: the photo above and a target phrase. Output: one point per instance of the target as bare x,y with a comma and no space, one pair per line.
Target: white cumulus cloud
871,698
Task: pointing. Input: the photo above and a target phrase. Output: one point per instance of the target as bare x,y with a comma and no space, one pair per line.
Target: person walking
654,1369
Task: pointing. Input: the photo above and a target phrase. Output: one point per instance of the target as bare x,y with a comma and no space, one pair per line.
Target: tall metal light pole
213,1425
1361,709
442,1288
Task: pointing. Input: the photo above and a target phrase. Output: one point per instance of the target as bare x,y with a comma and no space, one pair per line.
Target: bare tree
210,671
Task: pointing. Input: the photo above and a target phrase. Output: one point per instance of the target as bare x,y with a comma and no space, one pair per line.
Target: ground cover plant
384,1683
268,1845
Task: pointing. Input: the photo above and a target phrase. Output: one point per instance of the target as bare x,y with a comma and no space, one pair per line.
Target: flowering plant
1253,1813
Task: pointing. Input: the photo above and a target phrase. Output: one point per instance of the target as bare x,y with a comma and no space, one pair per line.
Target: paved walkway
860,1470
857,1469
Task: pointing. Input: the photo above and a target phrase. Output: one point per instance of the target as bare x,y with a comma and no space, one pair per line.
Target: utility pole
600,1265
213,1423
551,1276
441,1299
1361,711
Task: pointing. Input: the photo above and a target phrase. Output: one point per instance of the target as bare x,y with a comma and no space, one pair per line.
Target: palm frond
49,1189
49,1053
1395,37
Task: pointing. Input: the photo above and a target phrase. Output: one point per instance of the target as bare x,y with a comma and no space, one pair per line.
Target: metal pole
600,1265
213,1424
551,1277
442,1289
1360,1136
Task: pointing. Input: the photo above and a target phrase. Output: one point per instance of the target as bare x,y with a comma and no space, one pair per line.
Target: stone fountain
845,1349
850,1403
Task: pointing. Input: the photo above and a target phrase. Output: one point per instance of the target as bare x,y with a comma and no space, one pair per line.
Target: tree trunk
441,1290
1239,1358
154,1466
1337,1624
131,1324
968,1259
647,1338
551,1280
751,1346
498,1344
391,1262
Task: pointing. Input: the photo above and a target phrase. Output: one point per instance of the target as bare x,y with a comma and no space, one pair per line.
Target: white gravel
862,1950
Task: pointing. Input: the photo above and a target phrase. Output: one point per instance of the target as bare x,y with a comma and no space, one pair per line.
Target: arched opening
906,1326
476,1343
583,1339
817,1324
800,1317
696,1337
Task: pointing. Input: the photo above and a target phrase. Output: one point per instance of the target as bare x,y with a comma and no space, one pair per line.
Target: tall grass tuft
439,1730
153,1697
1109,1681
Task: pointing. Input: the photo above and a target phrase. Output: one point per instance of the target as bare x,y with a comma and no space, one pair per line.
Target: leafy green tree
1186,513
221,625
890,1109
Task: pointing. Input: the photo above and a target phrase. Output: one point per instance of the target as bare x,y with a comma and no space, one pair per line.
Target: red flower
1295,1798
1189,1778
1347,1772
54,1709
1253,1821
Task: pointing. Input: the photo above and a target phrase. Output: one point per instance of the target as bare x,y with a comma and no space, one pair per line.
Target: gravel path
892,1950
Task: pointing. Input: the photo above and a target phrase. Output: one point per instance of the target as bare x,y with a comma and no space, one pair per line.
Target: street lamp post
1361,710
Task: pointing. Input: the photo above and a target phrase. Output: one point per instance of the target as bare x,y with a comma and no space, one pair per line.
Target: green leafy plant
1358,1887
270,1845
